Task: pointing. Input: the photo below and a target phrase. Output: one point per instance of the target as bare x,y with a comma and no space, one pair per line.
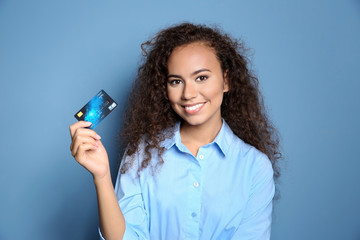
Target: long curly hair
148,111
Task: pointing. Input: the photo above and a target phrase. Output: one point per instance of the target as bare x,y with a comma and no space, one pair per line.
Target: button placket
196,192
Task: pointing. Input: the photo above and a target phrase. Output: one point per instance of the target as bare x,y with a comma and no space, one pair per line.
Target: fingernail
97,136
88,123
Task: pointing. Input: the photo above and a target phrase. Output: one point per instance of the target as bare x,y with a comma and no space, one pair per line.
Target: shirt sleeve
129,195
256,223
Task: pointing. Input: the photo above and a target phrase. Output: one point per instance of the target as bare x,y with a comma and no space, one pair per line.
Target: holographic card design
96,109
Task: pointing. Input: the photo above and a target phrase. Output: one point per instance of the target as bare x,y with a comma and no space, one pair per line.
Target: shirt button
201,157
196,184
193,214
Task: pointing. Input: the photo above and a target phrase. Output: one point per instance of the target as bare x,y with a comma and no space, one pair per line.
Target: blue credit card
96,109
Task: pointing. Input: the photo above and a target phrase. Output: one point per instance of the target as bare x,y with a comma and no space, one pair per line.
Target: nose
189,91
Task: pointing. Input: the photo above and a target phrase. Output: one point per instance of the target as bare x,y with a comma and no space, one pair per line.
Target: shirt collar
175,139
223,140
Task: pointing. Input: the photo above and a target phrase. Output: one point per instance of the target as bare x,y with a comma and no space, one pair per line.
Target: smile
194,108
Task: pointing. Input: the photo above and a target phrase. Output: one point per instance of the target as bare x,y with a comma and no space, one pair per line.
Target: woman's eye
202,78
175,82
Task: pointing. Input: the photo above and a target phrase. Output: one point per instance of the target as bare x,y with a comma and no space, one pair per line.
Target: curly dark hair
149,112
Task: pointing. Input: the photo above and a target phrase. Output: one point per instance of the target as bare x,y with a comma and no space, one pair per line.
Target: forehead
193,57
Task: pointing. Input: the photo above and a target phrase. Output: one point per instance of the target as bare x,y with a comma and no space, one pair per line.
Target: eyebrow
194,73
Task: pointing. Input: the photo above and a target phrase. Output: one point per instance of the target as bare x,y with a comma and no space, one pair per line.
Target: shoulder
147,149
256,162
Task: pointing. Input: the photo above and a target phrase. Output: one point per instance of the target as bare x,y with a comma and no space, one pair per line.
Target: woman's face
196,84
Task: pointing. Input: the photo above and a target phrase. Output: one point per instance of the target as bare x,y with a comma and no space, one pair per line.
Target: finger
86,132
78,140
99,143
79,124
81,150
83,132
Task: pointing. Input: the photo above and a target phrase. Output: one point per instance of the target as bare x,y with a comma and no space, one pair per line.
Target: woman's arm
257,218
89,152
112,222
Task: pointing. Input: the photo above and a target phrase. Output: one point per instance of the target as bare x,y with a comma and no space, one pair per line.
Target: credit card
96,109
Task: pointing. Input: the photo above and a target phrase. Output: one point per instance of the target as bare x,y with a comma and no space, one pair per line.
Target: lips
193,108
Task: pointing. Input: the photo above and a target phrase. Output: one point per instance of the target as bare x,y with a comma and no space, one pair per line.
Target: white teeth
192,108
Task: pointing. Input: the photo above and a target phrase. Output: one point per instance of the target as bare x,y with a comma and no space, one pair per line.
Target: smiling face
196,84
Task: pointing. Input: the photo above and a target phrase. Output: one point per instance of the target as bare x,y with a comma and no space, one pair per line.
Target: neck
200,135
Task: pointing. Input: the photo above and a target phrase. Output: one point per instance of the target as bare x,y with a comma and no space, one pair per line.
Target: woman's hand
88,150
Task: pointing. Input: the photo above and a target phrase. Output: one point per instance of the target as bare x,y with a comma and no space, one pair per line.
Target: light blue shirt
225,192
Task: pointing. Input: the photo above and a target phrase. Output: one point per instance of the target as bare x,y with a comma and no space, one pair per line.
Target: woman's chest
190,190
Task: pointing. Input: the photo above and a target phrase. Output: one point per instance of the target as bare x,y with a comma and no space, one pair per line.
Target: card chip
80,114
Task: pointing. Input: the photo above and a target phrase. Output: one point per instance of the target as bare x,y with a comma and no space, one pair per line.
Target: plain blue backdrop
56,55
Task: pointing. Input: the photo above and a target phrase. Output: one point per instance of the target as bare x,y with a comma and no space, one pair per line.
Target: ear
226,81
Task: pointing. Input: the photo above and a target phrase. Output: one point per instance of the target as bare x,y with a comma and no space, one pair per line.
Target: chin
193,121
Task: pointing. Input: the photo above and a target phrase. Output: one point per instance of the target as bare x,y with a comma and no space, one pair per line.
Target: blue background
56,55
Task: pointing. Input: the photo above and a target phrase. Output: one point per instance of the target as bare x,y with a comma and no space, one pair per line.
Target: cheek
214,92
172,95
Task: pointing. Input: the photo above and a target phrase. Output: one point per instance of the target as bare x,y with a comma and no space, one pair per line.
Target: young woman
201,155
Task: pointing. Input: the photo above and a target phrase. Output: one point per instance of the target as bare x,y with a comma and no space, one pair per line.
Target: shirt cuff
100,235
129,234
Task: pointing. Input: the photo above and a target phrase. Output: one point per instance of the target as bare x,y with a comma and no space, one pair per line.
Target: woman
201,155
